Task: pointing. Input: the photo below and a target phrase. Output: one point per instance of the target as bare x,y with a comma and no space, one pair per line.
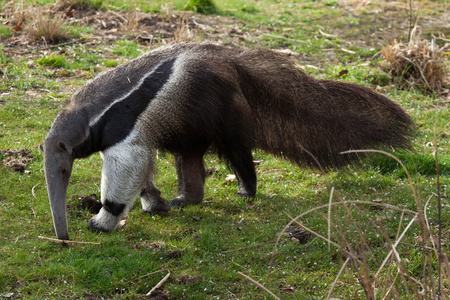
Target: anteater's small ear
63,147
41,147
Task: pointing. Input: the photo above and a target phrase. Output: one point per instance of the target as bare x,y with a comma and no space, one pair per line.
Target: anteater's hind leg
151,200
241,160
191,177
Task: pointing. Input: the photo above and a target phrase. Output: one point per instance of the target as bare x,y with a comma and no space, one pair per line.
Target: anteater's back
292,111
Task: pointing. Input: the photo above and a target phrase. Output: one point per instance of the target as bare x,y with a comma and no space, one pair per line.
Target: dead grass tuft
48,28
418,63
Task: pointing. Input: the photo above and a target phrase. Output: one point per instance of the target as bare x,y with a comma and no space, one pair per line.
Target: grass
205,246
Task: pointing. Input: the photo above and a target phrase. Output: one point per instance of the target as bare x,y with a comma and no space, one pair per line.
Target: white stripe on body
124,97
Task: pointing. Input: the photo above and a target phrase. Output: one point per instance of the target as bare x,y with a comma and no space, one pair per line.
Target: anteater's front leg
191,177
126,166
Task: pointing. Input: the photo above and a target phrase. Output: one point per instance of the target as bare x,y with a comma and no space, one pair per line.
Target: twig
433,242
416,198
62,44
337,277
148,274
32,191
240,266
388,206
391,287
394,157
327,34
438,192
159,284
394,250
400,223
66,241
119,16
318,235
329,217
259,285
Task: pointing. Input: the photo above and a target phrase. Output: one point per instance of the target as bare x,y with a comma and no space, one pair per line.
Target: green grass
212,242
5,31
200,6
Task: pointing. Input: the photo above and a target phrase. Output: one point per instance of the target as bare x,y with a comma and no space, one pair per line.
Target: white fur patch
126,167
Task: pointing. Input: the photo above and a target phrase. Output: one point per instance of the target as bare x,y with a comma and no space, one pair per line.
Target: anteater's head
58,161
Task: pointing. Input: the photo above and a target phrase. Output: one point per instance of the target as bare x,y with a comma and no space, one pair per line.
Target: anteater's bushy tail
294,112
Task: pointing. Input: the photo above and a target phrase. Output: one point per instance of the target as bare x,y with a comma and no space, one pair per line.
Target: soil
17,160
186,279
80,203
159,294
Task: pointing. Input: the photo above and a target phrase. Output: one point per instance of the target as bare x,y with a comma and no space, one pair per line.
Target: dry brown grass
38,24
419,62
376,258
47,28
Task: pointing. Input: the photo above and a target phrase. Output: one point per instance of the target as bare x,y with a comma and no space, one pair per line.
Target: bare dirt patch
80,203
187,279
16,160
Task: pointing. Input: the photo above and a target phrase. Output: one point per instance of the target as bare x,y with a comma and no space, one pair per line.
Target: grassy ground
205,246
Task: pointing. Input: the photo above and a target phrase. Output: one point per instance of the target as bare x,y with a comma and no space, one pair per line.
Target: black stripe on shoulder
119,120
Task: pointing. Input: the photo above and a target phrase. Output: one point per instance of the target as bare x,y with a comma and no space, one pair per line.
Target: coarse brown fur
188,97
288,111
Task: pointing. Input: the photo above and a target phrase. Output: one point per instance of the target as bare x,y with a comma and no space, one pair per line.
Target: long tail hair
294,111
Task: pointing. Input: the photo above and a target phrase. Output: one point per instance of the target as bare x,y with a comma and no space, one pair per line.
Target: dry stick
416,282
388,206
436,251
159,284
34,195
446,264
410,20
391,287
329,216
62,44
148,274
430,272
416,198
392,156
259,285
67,241
292,221
349,254
400,266
337,277
395,246
400,223
32,191
438,187
320,236
240,266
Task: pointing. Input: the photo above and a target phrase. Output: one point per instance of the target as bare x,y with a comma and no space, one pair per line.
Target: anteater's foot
181,201
103,221
160,208
153,203
246,192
